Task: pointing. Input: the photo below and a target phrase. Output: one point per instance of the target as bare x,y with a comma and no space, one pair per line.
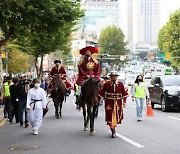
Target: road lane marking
129,140
2,122
132,106
173,118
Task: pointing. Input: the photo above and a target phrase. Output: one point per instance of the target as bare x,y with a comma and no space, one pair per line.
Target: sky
168,7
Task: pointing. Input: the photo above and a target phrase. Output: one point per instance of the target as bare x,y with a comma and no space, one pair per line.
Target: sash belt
34,102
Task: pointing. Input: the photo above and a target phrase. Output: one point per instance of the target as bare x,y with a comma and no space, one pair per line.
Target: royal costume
59,71
88,66
114,95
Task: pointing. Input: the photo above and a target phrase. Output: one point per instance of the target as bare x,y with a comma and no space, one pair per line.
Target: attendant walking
140,93
36,102
115,97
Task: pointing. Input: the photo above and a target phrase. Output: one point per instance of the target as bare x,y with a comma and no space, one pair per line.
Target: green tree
112,41
169,37
38,26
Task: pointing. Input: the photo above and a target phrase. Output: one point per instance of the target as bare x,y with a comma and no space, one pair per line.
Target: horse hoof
85,128
57,117
92,133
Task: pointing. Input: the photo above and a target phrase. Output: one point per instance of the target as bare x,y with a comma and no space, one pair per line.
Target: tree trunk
36,65
1,69
39,67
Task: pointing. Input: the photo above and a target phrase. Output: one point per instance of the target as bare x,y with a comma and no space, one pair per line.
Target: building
100,14
146,23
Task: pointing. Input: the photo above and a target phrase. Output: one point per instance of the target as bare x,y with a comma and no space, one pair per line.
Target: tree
38,25
111,41
17,61
169,37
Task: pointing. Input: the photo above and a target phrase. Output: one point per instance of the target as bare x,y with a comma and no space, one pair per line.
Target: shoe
21,124
26,125
35,132
10,120
113,133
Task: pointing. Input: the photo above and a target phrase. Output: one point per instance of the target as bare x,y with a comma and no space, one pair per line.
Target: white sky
168,7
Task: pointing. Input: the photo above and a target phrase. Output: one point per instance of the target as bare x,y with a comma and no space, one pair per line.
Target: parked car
165,90
168,71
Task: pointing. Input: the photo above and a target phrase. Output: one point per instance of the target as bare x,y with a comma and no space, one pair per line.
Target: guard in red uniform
58,69
88,66
115,96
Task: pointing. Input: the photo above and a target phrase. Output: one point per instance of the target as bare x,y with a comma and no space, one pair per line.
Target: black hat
9,78
57,61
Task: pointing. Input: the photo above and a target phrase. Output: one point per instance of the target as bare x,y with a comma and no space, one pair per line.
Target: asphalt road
154,135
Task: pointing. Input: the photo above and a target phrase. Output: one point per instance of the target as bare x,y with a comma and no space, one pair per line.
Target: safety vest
7,89
140,91
76,89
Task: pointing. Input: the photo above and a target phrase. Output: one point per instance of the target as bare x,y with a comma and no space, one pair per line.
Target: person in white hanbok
36,102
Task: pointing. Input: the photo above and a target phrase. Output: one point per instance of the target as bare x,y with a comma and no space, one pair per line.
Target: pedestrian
115,96
139,93
7,97
23,87
14,101
36,102
42,85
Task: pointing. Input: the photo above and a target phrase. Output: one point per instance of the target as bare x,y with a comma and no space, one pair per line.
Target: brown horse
89,102
58,95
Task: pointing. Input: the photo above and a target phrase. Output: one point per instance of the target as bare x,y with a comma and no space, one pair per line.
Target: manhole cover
24,148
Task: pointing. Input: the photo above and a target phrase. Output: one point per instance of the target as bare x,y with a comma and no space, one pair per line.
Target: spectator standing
23,87
14,101
7,97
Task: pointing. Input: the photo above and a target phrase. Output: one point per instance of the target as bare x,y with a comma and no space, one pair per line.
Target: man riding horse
88,67
58,70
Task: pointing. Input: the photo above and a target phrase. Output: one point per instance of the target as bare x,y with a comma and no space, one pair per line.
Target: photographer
23,87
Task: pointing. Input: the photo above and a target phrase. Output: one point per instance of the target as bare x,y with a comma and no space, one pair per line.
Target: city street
154,135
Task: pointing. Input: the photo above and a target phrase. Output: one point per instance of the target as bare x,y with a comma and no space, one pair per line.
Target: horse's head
57,82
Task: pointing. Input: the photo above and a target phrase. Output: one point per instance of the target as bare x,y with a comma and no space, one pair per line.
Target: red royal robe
58,71
114,97
89,67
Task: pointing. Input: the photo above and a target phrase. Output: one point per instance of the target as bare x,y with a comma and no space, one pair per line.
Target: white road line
130,141
132,106
173,118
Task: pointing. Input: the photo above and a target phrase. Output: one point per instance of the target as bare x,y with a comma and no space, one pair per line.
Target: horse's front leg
92,111
85,117
56,108
60,108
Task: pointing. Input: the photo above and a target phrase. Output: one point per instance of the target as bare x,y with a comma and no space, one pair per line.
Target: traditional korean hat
57,61
114,73
92,49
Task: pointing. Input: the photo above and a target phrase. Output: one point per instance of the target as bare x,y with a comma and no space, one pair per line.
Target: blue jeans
139,106
22,111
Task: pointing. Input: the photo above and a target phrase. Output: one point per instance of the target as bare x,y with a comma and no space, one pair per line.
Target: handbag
46,110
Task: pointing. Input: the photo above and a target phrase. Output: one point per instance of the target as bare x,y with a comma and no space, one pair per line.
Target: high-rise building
146,23
99,14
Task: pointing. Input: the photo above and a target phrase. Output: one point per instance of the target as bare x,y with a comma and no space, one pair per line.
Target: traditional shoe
35,132
113,133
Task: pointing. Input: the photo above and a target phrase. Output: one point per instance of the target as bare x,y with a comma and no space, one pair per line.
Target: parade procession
89,77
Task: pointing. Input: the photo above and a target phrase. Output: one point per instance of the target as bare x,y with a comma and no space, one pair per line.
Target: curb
1,113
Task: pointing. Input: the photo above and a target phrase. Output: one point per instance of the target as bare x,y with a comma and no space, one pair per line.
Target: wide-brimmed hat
92,49
114,73
57,61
